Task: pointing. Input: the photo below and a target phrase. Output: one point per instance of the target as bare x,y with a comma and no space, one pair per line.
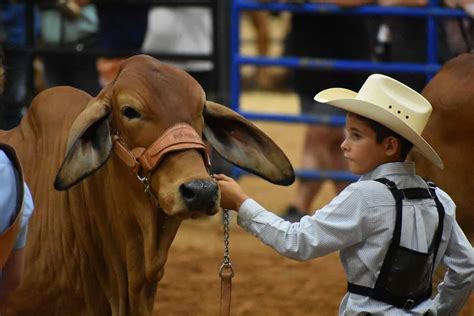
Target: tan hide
449,131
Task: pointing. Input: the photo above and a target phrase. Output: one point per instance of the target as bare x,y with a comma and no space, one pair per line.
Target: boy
393,232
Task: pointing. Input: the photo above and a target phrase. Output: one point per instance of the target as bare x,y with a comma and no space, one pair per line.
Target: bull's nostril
187,192
200,195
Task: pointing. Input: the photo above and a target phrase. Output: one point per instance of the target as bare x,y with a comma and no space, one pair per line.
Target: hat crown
406,104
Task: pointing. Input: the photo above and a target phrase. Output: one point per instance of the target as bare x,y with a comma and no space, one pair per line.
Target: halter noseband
178,137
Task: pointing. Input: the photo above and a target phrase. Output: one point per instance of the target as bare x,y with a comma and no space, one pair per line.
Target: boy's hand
232,195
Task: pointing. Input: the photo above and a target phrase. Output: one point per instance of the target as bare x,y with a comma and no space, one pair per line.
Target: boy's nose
344,145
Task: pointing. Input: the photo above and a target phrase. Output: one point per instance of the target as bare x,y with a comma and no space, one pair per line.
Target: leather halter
178,137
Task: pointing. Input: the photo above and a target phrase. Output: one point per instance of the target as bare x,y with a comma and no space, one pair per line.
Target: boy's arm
345,221
341,223
458,281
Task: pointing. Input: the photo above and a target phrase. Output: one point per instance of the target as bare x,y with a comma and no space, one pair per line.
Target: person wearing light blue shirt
392,227
11,272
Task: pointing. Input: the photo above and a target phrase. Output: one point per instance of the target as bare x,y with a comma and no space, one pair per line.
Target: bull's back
449,131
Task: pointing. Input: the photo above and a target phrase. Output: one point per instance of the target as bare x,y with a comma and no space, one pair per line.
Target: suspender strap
402,303
416,193
398,206
441,213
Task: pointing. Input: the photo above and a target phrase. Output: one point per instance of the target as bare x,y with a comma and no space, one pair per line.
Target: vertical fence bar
234,52
221,40
432,39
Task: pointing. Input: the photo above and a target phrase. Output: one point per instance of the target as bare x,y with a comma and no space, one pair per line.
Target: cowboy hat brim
346,99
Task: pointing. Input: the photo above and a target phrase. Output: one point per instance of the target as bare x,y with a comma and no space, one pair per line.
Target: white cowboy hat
390,103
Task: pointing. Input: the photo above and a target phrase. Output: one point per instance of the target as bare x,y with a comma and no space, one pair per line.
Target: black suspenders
404,280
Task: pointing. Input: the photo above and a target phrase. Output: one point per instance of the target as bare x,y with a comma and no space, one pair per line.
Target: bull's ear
242,143
89,144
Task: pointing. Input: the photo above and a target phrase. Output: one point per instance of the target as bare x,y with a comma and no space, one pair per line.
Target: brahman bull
450,130
98,246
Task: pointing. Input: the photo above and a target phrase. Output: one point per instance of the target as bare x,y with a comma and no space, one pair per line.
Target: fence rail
431,13
220,82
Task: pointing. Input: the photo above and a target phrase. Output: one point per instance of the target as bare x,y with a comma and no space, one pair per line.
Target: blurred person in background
13,35
262,78
71,24
16,207
183,30
396,34
326,37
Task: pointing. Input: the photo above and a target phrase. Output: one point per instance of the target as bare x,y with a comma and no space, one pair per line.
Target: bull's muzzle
200,195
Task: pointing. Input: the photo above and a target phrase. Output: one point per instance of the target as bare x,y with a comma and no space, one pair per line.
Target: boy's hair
382,132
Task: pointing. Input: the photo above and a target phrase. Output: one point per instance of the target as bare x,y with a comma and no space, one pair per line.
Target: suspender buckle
409,303
391,185
431,187
431,184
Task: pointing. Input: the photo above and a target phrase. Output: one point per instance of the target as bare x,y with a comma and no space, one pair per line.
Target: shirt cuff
247,212
248,209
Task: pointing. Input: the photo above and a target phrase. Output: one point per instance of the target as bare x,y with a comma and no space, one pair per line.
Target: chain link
226,267
226,220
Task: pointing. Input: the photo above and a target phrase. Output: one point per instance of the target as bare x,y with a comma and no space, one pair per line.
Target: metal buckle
390,184
145,181
431,186
409,303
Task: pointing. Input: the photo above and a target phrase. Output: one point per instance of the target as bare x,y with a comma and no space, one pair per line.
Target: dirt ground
264,282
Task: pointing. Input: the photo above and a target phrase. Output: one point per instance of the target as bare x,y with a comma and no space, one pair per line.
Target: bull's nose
200,195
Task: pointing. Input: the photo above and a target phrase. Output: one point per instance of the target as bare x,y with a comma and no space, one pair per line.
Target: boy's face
361,149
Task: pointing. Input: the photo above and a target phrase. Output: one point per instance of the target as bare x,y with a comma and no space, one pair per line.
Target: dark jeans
16,97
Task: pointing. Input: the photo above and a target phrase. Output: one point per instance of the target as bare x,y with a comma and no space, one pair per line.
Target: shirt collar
391,168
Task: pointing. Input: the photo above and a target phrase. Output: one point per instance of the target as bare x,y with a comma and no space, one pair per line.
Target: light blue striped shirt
8,201
359,223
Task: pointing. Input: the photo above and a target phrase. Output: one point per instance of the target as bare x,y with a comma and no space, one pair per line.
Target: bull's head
137,115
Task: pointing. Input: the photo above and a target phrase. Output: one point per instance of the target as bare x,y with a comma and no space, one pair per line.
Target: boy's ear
392,146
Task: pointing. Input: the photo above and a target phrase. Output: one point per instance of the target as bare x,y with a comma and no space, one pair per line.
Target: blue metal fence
432,12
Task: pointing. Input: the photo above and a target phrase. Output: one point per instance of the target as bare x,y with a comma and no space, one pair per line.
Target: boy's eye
356,136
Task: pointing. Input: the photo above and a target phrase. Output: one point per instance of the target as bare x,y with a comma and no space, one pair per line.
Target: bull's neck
130,237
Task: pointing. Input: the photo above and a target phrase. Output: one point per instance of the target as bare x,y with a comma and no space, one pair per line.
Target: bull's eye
130,113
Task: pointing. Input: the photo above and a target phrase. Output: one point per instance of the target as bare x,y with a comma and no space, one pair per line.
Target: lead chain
226,267
226,236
